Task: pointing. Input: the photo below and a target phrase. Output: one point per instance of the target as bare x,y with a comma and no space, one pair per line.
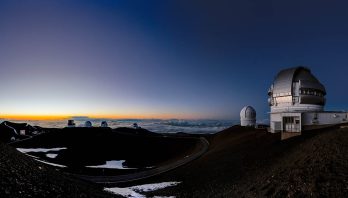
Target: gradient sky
166,58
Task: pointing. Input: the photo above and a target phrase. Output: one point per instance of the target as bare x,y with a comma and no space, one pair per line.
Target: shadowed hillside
10,131
20,176
314,165
240,162
243,161
93,146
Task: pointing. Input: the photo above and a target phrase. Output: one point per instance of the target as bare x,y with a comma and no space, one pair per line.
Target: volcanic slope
21,176
244,162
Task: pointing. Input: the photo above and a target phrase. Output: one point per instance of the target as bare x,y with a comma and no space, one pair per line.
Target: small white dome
248,116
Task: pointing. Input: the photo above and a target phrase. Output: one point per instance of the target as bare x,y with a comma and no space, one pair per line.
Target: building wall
324,118
309,120
276,122
275,118
296,107
246,122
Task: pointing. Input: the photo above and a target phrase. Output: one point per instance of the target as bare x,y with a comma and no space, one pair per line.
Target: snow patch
153,187
31,156
52,164
51,155
134,191
37,150
114,164
126,192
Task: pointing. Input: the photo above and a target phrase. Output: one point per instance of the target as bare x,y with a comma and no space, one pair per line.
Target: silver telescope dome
248,116
296,89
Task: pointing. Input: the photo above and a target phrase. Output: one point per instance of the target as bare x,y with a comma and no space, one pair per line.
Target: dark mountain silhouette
10,131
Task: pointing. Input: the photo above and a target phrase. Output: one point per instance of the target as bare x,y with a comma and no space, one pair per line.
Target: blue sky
164,59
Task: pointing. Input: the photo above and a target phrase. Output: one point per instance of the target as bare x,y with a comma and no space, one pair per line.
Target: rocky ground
20,176
93,146
240,162
316,167
244,162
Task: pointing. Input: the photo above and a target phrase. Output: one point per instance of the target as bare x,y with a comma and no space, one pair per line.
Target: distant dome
88,124
104,124
71,123
248,116
135,125
296,89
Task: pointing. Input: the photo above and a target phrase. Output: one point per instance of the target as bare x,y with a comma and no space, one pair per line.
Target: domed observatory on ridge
248,116
71,123
104,124
88,124
297,100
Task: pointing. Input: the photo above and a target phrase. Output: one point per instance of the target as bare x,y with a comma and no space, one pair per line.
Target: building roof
248,112
284,80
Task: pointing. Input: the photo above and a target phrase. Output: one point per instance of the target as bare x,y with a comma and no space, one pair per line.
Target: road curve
203,148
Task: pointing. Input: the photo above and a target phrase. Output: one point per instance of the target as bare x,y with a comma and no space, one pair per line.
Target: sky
186,59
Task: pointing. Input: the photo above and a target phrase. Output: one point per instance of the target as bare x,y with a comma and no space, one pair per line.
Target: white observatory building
297,100
248,116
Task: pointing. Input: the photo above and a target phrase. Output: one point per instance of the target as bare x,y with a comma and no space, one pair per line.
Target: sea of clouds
154,125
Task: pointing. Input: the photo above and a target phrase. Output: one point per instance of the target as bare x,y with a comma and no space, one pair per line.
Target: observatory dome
71,123
296,89
88,124
248,116
104,124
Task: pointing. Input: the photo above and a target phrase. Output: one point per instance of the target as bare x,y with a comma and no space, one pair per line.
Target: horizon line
67,117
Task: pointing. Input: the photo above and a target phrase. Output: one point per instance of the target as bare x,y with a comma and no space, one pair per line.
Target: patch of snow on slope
52,164
126,192
134,191
32,156
153,187
51,155
36,150
114,164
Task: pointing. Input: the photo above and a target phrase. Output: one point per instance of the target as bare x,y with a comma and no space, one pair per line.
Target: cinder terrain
245,162
315,165
240,162
22,177
93,146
